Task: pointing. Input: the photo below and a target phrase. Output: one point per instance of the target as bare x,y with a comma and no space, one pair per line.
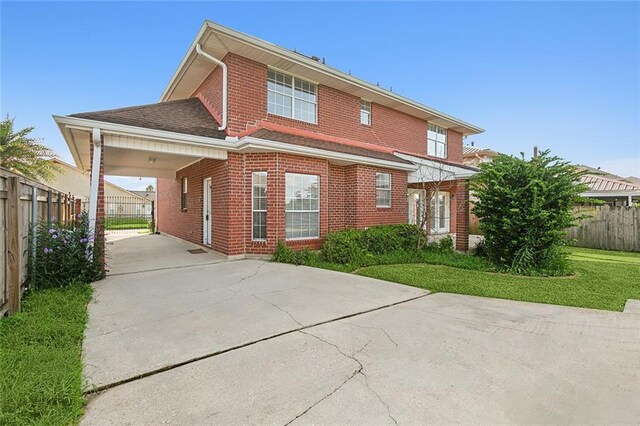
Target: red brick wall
338,113
347,198
99,236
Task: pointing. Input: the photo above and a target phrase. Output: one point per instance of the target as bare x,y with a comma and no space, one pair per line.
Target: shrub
346,246
284,254
524,209
445,245
385,238
64,254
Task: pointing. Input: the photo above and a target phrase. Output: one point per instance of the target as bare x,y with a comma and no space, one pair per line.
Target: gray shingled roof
187,116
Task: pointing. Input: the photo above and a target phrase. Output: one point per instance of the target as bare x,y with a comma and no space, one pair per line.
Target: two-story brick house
253,143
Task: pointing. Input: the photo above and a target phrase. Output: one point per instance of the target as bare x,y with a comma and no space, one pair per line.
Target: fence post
153,217
34,224
49,206
59,207
77,207
13,244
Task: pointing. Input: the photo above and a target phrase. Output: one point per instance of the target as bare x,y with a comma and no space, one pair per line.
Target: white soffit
218,41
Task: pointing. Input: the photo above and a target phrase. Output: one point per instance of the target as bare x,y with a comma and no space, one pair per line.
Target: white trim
95,182
206,197
425,169
596,194
318,210
245,143
302,60
378,206
266,174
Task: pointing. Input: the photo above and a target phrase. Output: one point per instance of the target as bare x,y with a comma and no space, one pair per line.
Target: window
302,206
183,193
291,97
259,206
383,190
439,213
437,141
365,112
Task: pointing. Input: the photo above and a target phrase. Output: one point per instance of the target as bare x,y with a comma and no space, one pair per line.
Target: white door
206,212
416,198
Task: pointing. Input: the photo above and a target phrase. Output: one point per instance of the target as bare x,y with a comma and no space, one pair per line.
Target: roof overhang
428,170
218,41
604,194
129,149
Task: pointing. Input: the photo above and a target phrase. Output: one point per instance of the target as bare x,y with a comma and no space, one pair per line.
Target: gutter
225,89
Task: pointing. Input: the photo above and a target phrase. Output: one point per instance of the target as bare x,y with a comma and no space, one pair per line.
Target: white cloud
624,167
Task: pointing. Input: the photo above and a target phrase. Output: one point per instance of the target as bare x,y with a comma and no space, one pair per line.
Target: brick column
462,215
99,233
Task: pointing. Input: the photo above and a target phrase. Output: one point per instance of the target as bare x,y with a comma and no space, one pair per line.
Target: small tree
22,154
525,208
149,188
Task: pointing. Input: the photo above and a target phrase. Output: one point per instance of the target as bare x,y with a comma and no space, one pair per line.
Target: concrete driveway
254,342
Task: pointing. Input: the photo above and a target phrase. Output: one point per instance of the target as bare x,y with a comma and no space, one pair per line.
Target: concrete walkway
411,359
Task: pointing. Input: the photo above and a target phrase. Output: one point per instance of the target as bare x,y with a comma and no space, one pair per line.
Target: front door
206,212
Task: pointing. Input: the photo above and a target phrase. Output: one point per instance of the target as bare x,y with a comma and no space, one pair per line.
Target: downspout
95,182
224,84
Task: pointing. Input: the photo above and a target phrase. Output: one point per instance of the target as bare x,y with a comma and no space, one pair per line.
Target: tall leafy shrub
524,209
64,254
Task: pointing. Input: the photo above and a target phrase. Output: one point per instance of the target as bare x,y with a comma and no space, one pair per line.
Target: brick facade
347,192
344,201
100,212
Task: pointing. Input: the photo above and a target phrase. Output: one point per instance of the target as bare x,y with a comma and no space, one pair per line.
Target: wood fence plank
13,245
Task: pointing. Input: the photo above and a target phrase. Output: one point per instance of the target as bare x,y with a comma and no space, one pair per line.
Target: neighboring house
70,179
254,144
612,189
474,156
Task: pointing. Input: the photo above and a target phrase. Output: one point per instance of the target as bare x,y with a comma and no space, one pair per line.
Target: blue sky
564,76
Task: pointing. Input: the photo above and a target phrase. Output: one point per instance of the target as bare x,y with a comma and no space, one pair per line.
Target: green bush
64,254
284,254
525,208
385,238
445,245
346,246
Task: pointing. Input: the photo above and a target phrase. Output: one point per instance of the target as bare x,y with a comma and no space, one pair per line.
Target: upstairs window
183,193
383,190
365,112
437,141
291,97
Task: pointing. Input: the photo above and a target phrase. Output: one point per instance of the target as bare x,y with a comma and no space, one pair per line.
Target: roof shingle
187,116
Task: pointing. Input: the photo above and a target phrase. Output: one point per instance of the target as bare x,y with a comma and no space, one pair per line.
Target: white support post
95,181
630,201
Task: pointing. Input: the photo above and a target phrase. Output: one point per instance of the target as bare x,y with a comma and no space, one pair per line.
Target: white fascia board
71,142
454,172
596,194
124,130
249,142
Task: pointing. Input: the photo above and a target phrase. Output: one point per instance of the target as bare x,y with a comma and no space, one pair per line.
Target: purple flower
51,231
48,250
54,236
83,240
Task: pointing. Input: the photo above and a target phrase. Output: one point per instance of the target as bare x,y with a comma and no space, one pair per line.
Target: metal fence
606,227
23,203
123,213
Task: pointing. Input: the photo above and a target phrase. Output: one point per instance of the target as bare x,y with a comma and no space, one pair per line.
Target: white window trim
368,113
293,96
446,141
301,211
383,189
184,184
253,210
447,228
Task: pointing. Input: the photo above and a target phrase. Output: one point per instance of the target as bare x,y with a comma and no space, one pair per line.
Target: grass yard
40,358
113,223
604,280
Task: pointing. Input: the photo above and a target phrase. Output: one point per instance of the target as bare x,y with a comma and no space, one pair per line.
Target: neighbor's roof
604,183
472,150
273,135
188,116
218,41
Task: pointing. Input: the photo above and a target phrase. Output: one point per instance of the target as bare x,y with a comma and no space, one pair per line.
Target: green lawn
40,358
113,223
604,280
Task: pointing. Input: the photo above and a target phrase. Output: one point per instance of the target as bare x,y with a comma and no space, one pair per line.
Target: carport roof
187,116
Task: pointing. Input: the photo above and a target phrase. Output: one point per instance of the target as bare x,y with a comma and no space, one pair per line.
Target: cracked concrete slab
153,319
440,359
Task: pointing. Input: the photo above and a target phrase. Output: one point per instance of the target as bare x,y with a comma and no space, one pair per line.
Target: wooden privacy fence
606,227
23,203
